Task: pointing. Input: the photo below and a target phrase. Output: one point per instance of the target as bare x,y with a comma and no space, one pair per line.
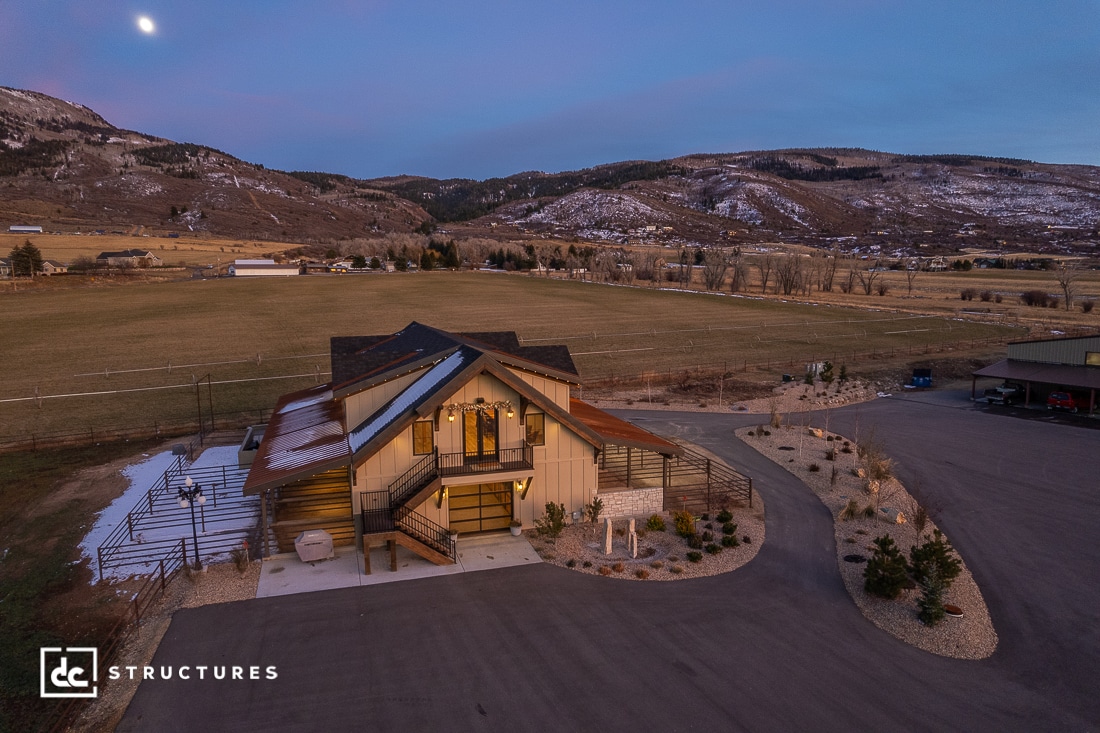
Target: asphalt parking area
777,645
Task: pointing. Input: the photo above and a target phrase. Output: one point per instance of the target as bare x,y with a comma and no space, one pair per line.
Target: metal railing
690,481
375,509
407,484
505,459
154,527
426,531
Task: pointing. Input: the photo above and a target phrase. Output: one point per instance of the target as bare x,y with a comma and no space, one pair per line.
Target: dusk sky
489,88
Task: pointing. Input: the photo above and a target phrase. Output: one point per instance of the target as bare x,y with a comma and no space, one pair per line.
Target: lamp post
187,498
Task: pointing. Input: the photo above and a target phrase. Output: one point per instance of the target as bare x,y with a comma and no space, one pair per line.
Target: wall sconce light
519,486
511,412
450,415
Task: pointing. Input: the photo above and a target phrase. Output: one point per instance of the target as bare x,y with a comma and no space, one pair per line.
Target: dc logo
69,672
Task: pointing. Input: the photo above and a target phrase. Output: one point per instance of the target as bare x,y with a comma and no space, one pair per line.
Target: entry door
479,507
480,435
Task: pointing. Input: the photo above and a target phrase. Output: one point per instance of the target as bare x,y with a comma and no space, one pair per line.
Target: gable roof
359,362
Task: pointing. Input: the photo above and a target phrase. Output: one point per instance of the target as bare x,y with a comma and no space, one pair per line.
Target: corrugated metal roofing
615,431
304,436
1063,375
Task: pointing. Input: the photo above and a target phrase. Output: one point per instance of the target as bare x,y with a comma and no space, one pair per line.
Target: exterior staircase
388,517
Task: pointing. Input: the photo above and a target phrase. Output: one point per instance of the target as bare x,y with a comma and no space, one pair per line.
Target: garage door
480,507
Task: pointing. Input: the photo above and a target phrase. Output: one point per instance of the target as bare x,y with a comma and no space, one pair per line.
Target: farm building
24,229
128,258
424,434
1051,365
263,268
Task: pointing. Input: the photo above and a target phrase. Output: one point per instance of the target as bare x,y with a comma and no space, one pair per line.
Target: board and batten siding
555,390
361,405
565,470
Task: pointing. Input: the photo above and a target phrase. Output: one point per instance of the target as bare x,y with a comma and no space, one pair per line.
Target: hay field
188,249
140,348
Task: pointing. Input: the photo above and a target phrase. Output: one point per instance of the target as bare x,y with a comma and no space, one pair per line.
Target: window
423,437
1092,358
536,428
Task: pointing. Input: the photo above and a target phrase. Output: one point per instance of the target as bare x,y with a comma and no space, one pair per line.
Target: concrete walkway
285,574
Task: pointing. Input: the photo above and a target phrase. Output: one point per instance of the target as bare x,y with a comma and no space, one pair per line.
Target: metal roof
615,431
1063,375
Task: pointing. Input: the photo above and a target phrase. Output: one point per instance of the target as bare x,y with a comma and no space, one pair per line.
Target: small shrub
1087,305
618,567
604,570
885,574
641,574
713,549
729,528
846,449
695,542
571,563
724,516
586,564
869,511
675,570
646,552
656,565
708,536
673,558
705,517
695,556
240,557
850,510
593,510
997,298
552,522
656,523
730,540
746,539
813,468
920,519
708,525
830,455
861,531
985,296
967,294
685,523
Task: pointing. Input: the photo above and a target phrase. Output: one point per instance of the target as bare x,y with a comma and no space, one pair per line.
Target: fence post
163,584
750,492
130,526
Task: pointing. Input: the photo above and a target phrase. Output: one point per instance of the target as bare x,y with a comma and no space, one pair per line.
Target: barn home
423,435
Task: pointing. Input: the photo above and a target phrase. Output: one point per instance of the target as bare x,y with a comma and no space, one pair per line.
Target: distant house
128,258
53,267
263,268
5,267
24,229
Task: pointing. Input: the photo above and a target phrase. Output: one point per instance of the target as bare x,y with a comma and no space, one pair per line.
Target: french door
479,435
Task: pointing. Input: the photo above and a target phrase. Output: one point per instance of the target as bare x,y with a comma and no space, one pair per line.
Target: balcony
505,459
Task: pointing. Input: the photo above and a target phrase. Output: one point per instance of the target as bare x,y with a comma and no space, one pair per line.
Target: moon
145,24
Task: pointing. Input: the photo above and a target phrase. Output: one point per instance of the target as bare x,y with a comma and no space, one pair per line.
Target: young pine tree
936,552
933,589
885,574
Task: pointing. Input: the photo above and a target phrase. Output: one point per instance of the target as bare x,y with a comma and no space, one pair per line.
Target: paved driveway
775,646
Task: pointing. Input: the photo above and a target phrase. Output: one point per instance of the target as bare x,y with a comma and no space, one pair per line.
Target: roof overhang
1063,375
616,431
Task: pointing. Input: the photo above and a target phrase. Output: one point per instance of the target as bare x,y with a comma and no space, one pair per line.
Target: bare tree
715,264
788,273
765,264
828,271
867,278
686,261
628,266
738,273
1067,275
912,269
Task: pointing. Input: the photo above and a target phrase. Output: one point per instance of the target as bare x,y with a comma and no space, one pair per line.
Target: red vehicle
1061,401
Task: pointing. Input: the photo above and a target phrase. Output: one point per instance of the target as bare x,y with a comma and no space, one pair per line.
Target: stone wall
632,502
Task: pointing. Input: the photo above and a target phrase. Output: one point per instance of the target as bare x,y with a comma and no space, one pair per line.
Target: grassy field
186,250
133,353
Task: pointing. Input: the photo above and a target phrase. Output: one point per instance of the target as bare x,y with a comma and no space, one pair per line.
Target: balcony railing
505,459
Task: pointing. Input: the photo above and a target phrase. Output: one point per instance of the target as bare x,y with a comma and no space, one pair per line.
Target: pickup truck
1006,394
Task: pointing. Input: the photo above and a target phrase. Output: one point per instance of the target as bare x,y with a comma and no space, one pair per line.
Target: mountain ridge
63,166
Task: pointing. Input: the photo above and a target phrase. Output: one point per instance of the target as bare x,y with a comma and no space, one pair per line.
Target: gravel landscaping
836,483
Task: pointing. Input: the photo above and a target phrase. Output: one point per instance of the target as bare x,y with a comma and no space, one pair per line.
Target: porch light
511,412
519,486
450,415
